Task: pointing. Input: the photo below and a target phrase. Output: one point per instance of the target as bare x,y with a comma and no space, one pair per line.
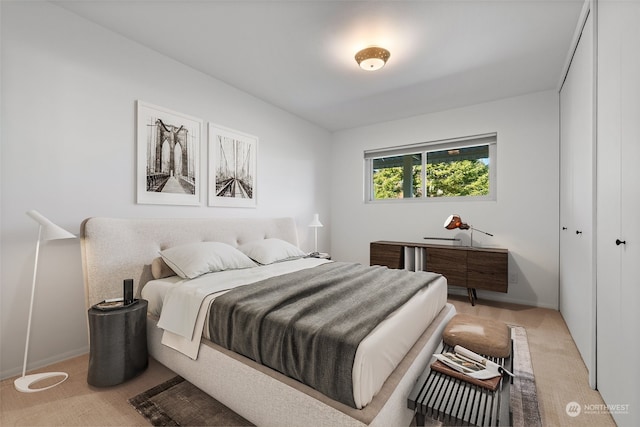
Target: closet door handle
620,242
578,232
564,228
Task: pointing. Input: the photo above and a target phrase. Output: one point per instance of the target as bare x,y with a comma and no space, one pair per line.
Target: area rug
524,399
177,402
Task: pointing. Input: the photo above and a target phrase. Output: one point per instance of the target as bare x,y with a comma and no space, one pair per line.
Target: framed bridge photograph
232,168
169,145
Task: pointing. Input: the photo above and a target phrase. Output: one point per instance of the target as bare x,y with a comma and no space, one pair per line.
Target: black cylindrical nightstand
118,344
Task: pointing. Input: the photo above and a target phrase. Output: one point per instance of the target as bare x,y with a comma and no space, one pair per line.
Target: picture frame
233,158
169,146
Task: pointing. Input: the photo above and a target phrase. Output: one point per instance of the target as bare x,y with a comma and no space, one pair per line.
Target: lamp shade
454,221
315,222
50,231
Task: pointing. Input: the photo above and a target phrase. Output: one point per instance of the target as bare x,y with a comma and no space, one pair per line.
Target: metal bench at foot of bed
438,396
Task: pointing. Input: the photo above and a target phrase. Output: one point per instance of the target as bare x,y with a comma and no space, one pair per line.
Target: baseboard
17,370
497,297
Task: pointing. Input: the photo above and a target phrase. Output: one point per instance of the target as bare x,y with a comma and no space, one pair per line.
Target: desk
468,267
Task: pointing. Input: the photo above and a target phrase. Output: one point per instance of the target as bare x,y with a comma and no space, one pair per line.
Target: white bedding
183,304
183,307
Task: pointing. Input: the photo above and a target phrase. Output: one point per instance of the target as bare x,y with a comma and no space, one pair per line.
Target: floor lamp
315,224
46,231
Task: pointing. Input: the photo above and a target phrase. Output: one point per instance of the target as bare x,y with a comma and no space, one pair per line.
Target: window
463,167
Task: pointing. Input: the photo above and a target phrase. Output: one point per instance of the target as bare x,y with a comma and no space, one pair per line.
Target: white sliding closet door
577,164
618,219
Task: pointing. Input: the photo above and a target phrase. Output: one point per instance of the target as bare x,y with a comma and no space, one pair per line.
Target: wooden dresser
464,266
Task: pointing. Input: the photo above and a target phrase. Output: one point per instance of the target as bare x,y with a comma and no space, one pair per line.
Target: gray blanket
308,324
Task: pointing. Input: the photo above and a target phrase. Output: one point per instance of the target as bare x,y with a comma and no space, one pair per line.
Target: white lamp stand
47,231
315,224
22,384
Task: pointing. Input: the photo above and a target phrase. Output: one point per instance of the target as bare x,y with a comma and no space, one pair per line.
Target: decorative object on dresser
454,221
117,343
47,231
464,266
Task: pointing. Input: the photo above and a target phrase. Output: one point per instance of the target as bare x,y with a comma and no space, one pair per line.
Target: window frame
490,139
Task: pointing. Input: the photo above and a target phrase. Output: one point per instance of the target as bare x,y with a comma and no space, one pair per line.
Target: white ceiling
299,55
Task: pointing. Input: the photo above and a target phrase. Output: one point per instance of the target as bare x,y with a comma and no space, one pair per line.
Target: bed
116,249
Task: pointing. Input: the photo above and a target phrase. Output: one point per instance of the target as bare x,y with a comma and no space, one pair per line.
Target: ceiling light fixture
372,58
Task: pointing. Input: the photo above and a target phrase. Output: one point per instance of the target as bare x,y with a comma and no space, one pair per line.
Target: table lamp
47,231
315,224
454,221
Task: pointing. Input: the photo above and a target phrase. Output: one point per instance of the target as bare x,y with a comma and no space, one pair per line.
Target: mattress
377,355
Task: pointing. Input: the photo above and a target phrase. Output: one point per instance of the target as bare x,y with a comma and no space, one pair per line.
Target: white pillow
268,251
195,259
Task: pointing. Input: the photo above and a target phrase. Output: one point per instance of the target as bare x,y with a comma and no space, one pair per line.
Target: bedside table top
139,304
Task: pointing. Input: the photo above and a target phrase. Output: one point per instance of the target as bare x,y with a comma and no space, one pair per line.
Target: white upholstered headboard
114,249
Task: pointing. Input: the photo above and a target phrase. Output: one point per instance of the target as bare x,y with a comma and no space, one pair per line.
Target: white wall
524,219
68,150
